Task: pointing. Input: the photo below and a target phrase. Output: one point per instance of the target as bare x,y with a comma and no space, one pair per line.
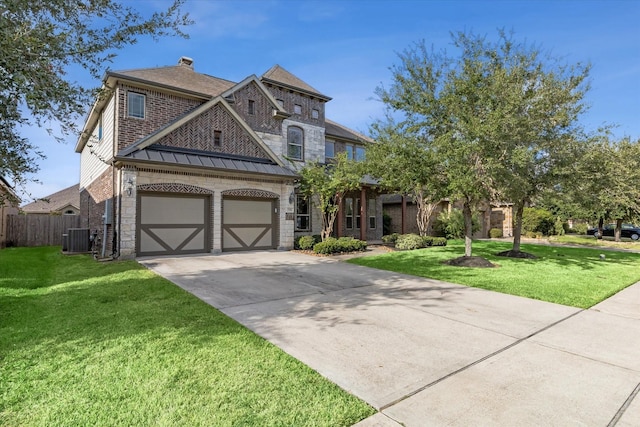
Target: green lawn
605,242
569,276
86,343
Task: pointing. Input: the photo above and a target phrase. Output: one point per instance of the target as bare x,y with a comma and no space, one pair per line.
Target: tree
40,41
444,101
534,123
405,163
326,185
607,184
499,116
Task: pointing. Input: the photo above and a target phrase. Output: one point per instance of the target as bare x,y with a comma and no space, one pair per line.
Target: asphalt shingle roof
56,201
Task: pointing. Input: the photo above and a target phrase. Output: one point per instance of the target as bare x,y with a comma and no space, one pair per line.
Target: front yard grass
85,343
605,242
563,275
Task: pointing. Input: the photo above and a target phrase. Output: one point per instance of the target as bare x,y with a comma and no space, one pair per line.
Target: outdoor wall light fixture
129,187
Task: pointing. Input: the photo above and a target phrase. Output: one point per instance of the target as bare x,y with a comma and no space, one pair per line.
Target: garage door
170,224
249,224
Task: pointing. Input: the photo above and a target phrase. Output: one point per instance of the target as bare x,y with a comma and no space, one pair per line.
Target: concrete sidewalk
425,352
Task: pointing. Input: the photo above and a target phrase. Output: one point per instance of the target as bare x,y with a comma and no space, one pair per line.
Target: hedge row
413,241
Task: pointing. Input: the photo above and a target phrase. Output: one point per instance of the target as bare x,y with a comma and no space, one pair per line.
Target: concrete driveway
425,352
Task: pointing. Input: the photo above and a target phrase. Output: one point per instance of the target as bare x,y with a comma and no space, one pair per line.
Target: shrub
451,225
438,241
559,227
390,238
427,241
538,220
344,244
530,234
495,233
580,228
306,242
409,241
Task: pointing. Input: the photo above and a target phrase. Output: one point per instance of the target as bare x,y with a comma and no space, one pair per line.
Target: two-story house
174,161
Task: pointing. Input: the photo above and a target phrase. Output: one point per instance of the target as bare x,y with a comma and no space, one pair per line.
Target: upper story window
315,113
280,102
359,153
349,150
135,105
217,138
329,149
252,107
297,109
295,142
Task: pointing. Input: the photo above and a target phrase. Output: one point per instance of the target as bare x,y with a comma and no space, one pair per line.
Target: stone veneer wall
216,184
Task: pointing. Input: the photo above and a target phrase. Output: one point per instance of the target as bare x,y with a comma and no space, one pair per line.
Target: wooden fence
38,229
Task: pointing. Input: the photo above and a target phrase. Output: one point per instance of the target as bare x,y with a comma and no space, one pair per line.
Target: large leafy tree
499,116
404,162
41,41
444,101
533,123
326,185
607,183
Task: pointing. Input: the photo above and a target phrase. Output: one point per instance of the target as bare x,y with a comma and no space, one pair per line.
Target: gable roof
278,111
55,202
154,137
281,77
339,131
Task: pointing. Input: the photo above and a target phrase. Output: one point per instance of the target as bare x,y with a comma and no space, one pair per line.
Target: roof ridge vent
185,60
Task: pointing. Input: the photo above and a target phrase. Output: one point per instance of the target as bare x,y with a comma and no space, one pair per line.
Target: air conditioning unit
78,240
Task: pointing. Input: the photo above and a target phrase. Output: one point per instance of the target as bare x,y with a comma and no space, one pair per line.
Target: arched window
295,143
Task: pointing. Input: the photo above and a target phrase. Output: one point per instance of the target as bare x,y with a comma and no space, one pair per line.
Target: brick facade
262,119
198,134
92,208
307,104
160,109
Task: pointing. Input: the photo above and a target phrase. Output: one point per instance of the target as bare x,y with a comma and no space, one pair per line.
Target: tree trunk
425,211
468,228
517,226
600,227
617,234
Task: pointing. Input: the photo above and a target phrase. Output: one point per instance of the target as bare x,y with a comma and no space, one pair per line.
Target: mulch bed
470,261
517,254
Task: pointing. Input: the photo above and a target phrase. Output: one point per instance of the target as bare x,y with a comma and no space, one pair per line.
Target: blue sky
344,49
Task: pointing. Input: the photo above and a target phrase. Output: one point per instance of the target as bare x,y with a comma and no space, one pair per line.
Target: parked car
628,230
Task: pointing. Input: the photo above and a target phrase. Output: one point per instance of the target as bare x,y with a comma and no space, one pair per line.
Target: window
358,213
371,213
297,109
315,113
329,149
359,154
303,222
348,212
349,149
217,138
135,105
280,102
252,107
295,142
100,128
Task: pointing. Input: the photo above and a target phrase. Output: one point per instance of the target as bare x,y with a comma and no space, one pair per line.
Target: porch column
363,217
404,212
340,217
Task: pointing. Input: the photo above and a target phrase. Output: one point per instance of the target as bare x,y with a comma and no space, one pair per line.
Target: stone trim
171,187
248,192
